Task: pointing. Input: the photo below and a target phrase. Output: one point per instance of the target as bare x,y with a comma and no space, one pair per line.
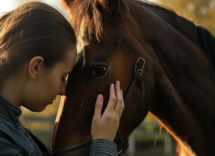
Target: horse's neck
172,112
184,92
186,109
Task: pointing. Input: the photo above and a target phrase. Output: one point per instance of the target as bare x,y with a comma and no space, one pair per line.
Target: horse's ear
111,5
66,3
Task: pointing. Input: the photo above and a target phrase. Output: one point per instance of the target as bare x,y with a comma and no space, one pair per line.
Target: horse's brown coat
179,88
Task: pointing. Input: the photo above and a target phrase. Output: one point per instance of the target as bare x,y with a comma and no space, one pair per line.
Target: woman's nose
62,89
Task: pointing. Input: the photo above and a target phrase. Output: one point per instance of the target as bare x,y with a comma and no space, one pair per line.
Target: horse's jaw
67,130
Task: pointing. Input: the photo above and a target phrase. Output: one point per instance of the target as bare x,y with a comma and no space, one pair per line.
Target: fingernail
99,97
112,85
117,82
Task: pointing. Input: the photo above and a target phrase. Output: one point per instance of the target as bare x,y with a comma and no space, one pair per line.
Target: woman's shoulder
6,126
14,138
9,144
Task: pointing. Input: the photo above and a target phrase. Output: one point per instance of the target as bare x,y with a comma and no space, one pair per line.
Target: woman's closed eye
64,79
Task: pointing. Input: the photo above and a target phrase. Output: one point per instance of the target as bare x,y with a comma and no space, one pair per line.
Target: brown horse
177,78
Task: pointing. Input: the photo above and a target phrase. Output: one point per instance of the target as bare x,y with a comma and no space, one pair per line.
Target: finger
98,107
123,103
118,94
120,109
112,99
120,101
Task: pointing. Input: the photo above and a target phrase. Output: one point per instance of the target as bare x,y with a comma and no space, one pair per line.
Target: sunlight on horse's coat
172,78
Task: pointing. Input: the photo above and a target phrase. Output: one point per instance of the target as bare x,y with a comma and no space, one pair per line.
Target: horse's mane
87,18
184,26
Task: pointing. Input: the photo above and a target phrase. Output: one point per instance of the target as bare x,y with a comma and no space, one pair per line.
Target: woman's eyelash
63,79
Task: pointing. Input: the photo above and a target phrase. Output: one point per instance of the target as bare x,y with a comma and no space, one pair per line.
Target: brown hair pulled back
33,29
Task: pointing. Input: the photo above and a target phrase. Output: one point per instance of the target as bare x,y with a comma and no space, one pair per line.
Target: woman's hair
33,29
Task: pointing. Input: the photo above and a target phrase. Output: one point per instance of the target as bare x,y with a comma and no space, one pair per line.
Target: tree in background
201,12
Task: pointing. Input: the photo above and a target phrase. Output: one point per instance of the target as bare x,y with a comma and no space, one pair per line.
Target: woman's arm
103,147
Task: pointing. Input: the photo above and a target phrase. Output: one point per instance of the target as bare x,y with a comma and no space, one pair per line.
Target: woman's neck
12,90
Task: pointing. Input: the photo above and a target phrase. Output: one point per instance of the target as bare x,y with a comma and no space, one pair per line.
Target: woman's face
49,84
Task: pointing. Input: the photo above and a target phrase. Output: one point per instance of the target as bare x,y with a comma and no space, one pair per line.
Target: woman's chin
40,109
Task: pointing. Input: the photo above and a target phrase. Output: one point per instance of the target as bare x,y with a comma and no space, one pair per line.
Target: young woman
37,52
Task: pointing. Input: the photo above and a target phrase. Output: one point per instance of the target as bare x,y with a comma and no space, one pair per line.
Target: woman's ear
35,66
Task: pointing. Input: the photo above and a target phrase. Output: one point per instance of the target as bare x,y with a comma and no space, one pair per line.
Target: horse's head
109,55
113,34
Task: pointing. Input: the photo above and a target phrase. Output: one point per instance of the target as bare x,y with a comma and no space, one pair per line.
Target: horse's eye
99,71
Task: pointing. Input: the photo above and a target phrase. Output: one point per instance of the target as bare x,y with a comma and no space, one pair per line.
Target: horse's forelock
86,18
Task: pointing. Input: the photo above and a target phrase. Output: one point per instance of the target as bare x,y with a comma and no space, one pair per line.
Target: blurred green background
148,139
201,12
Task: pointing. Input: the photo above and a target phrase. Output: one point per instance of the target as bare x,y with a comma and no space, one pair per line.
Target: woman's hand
105,126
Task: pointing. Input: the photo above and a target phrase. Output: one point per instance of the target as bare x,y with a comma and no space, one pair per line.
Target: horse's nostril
82,103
